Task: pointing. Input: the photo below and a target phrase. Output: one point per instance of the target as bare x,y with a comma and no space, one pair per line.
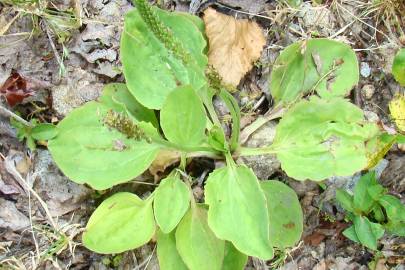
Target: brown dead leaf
234,45
164,159
314,239
15,89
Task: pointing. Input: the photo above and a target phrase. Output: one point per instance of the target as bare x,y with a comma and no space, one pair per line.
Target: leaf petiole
183,148
234,109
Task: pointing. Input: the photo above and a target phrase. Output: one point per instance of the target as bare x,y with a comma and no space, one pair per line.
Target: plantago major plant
116,138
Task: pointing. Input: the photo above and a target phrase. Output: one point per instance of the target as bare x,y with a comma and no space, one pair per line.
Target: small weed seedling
34,132
372,211
116,138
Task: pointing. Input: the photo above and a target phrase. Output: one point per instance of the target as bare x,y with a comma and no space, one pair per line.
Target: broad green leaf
198,246
151,69
43,132
377,230
400,138
396,228
320,138
168,256
326,66
120,223
367,232
117,96
345,199
376,191
89,152
285,214
237,210
183,117
393,207
171,201
398,67
362,200
351,234
198,22
234,259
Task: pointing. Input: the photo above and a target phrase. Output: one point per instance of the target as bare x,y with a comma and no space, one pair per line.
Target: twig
150,257
9,164
55,51
7,112
4,29
357,97
274,113
32,228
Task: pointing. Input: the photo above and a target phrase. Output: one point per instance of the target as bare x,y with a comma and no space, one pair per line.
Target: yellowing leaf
377,148
397,110
233,45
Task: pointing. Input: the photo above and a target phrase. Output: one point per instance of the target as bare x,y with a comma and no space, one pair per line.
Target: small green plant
35,131
116,138
372,212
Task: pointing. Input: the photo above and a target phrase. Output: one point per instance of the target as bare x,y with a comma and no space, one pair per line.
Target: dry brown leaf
234,45
164,159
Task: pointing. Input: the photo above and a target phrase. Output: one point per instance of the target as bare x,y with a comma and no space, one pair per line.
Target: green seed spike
125,125
214,79
161,31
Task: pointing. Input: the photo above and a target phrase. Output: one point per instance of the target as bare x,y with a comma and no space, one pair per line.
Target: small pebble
368,91
371,116
401,146
365,69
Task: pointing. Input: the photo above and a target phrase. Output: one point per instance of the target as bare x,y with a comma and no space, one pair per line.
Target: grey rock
60,194
108,69
97,31
11,218
263,165
317,18
365,69
371,116
253,6
386,53
302,187
394,175
111,11
292,265
5,127
103,54
368,91
80,87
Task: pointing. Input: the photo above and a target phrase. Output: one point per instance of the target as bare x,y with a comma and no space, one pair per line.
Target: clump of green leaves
372,212
116,138
35,131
